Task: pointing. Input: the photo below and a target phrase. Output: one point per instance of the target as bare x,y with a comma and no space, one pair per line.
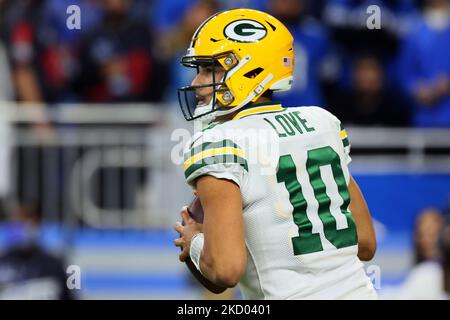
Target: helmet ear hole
253,73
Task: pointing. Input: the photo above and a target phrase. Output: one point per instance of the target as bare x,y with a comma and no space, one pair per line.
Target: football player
283,217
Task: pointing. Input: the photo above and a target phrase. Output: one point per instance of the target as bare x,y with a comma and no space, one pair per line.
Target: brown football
195,210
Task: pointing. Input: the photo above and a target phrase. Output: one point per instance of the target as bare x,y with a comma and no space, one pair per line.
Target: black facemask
186,95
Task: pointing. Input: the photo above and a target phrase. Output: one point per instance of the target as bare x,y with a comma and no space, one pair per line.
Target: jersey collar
258,108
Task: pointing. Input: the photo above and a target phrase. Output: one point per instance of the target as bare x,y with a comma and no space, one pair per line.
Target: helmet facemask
222,97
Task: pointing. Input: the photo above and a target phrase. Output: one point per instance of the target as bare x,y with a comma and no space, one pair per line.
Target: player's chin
202,103
203,99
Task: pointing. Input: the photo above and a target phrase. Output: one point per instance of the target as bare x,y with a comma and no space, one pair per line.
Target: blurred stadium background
86,134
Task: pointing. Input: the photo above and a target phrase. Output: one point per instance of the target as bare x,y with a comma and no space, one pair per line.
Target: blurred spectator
425,65
369,101
426,232
165,15
425,280
444,247
252,4
6,89
32,52
395,14
174,43
347,20
311,45
42,56
21,25
27,271
118,64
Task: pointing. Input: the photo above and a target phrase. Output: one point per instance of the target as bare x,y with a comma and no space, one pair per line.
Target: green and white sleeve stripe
210,153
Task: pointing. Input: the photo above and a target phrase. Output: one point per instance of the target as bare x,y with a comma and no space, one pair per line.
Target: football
195,210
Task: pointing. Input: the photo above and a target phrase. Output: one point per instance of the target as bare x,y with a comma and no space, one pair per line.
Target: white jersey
291,167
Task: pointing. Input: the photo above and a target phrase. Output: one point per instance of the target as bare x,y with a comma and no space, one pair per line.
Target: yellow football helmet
255,49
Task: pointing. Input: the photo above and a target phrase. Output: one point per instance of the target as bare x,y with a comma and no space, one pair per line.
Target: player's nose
197,80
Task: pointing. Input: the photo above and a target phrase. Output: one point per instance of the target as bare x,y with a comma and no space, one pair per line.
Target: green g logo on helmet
245,31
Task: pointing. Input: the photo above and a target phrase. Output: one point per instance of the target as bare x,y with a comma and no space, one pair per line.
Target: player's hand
187,229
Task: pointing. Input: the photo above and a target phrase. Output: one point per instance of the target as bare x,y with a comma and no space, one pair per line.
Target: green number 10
307,241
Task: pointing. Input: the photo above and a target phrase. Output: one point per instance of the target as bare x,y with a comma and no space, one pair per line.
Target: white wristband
196,249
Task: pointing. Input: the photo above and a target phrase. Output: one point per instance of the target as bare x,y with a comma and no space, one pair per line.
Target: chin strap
258,89
208,118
